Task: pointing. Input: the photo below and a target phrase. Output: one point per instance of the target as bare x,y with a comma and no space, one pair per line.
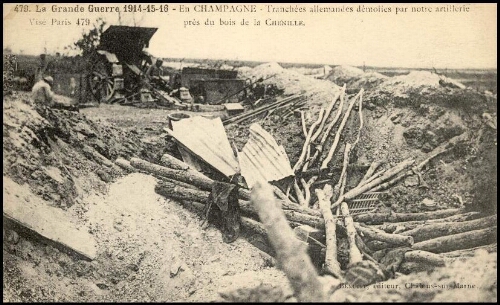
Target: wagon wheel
100,80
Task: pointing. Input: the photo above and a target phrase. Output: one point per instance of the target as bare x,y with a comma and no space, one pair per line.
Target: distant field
481,80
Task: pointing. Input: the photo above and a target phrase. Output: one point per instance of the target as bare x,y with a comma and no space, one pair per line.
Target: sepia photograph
249,152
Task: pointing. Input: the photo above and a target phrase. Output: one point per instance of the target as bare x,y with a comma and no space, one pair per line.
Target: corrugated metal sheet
207,139
262,159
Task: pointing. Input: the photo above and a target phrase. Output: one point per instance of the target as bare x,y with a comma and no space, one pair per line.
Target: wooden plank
30,214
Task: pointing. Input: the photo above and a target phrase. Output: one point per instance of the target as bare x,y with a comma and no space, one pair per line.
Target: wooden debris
434,230
331,152
459,241
325,117
367,186
320,147
394,239
307,142
48,224
379,218
424,257
262,109
373,167
398,227
91,152
470,252
124,164
354,253
331,265
197,179
291,253
340,186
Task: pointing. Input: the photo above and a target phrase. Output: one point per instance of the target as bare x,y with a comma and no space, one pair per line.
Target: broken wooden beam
433,230
332,264
371,170
394,239
424,257
197,180
459,241
471,251
354,253
379,218
124,164
398,227
48,224
370,185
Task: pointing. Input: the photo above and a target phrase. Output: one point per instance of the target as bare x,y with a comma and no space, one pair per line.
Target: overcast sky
414,40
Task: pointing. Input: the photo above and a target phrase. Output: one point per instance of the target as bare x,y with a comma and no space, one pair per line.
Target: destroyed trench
344,186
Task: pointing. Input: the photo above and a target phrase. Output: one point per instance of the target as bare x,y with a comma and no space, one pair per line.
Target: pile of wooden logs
378,244
289,104
429,238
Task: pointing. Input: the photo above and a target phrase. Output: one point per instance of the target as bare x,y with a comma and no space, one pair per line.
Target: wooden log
331,152
360,111
325,117
291,253
191,174
434,230
94,154
354,253
368,186
377,245
174,191
459,241
124,164
331,265
202,182
388,184
303,121
300,195
373,177
470,252
174,163
362,246
329,128
340,187
373,167
379,218
252,113
394,239
398,227
415,267
301,160
424,257
307,191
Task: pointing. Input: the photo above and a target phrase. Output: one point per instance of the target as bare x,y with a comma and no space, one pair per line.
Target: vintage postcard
292,152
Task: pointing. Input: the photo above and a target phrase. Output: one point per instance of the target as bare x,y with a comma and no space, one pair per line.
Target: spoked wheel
100,80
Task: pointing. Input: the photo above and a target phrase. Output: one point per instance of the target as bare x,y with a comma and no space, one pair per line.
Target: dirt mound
416,82
149,249
61,154
355,78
